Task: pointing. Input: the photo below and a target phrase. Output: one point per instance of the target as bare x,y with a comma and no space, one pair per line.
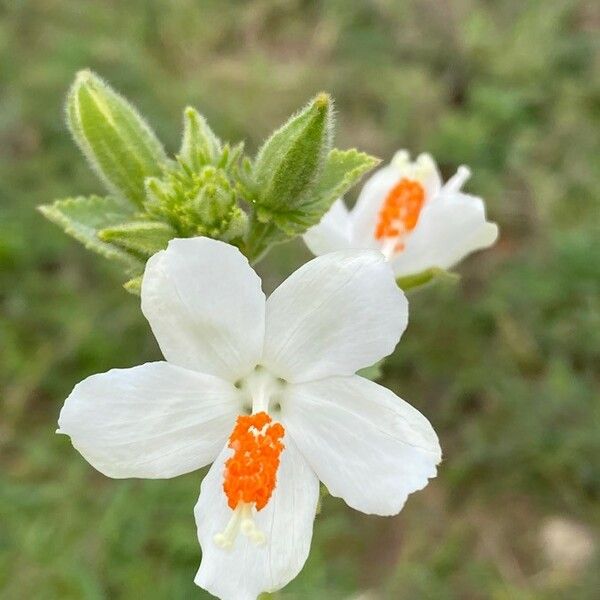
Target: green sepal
230,157
199,146
143,238
134,286
119,144
374,372
342,169
411,282
83,216
290,161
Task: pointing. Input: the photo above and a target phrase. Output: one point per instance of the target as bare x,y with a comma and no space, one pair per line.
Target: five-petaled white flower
267,390
405,212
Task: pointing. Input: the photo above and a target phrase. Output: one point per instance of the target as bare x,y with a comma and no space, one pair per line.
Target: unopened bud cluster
196,202
208,189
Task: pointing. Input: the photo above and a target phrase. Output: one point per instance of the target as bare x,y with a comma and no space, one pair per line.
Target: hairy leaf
83,216
343,168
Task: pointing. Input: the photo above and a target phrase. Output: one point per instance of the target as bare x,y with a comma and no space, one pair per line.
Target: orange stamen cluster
400,210
251,473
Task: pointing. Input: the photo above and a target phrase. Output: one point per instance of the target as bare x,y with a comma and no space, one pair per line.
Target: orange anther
251,473
400,210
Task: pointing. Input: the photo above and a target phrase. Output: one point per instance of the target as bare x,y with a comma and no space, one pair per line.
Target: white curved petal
336,314
364,215
366,445
245,570
154,421
425,170
365,212
205,306
332,233
447,231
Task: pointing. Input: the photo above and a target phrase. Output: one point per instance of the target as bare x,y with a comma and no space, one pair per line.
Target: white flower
266,389
405,212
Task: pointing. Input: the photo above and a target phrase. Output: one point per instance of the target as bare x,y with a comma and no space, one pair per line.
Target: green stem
418,280
257,241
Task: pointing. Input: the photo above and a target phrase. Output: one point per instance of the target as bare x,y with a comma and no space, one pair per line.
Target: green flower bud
213,203
118,143
200,146
195,202
290,161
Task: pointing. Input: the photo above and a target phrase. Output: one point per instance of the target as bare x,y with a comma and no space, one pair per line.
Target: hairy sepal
143,238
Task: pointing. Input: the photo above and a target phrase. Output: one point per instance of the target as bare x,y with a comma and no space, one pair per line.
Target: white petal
447,231
365,213
336,314
425,170
205,306
156,420
332,233
366,445
245,570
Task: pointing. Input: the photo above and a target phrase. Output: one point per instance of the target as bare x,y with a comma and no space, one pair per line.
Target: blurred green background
505,363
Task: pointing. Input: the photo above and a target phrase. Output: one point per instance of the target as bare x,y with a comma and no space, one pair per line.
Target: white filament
242,520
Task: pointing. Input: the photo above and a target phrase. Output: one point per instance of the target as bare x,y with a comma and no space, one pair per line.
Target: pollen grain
400,210
251,472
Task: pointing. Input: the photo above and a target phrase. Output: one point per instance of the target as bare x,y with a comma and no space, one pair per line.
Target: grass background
505,363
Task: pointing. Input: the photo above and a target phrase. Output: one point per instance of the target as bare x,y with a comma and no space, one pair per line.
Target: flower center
250,474
399,214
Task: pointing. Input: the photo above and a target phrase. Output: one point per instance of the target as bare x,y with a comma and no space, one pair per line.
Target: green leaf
343,168
291,160
82,217
200,146
118,143
410,282
144,238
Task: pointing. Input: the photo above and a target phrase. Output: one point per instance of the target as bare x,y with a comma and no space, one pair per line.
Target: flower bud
290,161
118,143
200,146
